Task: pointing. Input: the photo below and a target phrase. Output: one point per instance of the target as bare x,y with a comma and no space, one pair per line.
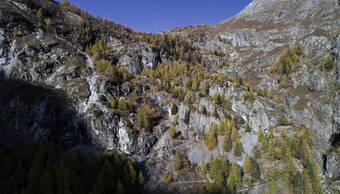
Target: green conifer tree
211,138
238,148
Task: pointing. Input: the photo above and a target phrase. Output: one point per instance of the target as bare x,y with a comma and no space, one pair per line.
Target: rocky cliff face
246,48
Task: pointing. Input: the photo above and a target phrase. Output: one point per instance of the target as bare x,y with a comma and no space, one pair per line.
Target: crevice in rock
324,163
335,139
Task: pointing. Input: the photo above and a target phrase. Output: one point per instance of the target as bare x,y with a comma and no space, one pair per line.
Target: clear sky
159,15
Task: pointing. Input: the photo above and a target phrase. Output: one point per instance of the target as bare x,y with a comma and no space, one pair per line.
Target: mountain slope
264,84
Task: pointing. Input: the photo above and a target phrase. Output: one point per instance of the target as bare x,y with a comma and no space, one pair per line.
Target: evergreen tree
205,90
219,170
238,148
215,113
217,99
64,3
228,144
47,183
49,22
235,177
256,171
131,173
120,188
141,178
248,165
306,183
223,127
273,188
248,128
195,85
40,14
122,105
211,138
263,139
143,119
177,162
234,134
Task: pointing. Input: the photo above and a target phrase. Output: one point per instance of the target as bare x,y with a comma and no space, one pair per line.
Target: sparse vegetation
288,62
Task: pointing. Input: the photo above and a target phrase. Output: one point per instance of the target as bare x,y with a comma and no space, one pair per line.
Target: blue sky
159,15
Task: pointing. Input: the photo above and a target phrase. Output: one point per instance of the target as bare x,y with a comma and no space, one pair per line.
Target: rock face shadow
40,113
